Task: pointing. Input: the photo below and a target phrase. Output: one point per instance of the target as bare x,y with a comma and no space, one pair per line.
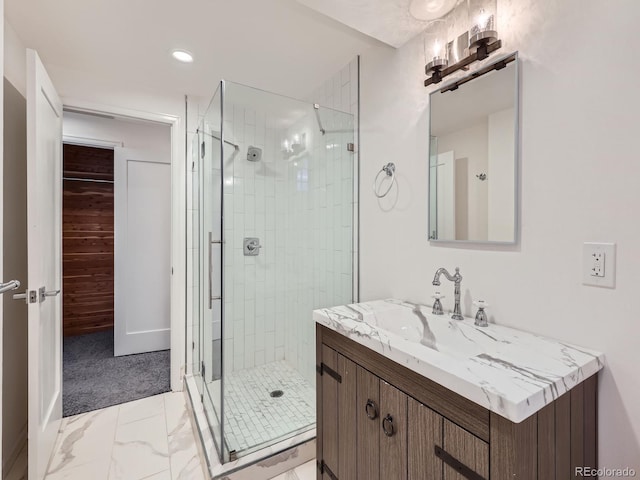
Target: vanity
405,394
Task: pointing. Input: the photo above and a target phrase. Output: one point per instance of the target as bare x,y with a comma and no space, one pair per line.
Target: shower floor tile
254,417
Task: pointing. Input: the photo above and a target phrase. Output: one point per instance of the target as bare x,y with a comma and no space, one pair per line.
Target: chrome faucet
457,279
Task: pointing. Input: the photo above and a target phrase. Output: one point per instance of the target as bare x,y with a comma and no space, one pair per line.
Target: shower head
254,154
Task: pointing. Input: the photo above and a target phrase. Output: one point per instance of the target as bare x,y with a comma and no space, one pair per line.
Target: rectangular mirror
473,156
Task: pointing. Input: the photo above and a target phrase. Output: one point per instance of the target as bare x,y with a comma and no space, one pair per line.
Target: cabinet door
347,421
329,413
393,433
425,431
368,424
338,419
467,450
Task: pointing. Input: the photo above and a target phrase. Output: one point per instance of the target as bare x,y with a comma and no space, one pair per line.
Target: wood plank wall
87,240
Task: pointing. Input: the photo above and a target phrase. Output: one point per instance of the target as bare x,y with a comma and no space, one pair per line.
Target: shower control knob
251,246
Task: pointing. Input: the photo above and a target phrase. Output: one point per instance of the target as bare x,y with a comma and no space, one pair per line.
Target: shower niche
271,238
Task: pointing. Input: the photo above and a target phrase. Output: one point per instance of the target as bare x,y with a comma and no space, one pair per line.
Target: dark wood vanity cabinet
378,420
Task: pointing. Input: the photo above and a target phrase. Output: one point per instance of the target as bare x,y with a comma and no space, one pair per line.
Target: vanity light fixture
483,30
182,56
480,38
435,46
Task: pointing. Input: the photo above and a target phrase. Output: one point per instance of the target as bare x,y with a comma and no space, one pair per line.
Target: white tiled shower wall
254,207
285,203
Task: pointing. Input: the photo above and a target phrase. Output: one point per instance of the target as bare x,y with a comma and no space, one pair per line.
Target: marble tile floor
306,471
149,439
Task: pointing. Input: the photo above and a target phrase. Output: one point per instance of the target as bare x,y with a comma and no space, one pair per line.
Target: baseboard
7,463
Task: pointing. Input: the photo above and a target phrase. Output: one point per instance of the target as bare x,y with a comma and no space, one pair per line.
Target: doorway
116,261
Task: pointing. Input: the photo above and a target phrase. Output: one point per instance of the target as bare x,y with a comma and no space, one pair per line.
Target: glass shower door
210,194
288,249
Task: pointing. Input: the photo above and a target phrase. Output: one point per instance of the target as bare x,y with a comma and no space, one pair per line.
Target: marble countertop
510,372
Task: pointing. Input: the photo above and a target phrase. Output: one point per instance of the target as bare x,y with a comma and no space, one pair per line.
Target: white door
44,246
142,196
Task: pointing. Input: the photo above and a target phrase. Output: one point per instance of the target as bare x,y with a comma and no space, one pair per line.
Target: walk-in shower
272,239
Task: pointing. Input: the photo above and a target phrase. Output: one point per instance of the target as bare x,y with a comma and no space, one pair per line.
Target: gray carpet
93,378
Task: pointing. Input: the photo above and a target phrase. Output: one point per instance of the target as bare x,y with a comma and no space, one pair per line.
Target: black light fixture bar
478,73
480,54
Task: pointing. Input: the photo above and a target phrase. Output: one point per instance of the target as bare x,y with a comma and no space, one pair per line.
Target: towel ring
390,170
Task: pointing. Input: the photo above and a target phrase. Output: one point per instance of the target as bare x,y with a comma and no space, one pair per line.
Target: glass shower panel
288,241
210,150
195,264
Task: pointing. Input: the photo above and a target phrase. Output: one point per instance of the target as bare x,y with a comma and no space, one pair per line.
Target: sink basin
416,323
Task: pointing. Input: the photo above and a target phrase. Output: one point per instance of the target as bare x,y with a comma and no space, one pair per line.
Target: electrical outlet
599,264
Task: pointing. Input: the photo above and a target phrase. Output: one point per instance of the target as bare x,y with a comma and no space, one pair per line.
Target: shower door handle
210,249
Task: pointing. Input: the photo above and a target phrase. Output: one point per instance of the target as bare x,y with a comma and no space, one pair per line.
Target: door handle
387,426
371,409
43,293
10,285
212,242
30,296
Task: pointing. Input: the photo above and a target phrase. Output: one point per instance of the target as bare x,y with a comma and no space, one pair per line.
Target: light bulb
436,48
483,18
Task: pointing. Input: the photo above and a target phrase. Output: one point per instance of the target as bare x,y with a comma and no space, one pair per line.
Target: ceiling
386,20
277,45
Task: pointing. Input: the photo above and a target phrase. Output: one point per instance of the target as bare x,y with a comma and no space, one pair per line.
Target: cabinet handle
371,409
457,465
387,426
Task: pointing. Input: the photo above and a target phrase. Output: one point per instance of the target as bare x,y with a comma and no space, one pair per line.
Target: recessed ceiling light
182,56
430,9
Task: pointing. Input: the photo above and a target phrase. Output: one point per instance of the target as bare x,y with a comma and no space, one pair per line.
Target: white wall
15,59
128,133
579,183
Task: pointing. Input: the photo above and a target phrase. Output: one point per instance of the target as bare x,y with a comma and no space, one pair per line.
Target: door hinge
202,369
202,150
351,147
325,469
193,345
322,369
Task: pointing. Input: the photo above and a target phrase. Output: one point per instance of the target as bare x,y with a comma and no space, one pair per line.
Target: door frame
2,473
178,218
